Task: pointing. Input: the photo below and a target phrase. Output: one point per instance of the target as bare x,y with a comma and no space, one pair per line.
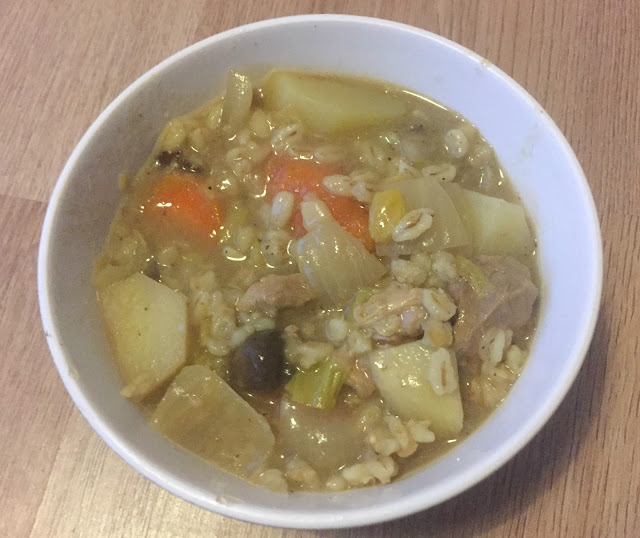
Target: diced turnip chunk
326,439
206,416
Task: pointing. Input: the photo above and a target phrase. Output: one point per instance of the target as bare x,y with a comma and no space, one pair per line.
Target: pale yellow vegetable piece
203,414
125,252
494,225
237,101
147,324
326,439
404,375
386,210
328,104
447,229
328,246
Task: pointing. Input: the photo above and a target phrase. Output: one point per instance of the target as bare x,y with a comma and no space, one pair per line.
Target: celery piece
317,387
237,216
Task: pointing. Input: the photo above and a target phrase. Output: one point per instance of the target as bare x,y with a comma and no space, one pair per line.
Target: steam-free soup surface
318,282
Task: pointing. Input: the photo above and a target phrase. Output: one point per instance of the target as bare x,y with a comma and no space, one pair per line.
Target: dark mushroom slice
258,364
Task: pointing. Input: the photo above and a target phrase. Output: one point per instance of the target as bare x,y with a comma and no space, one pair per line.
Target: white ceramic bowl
531,148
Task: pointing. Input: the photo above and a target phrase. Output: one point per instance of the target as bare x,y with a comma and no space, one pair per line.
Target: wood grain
62,62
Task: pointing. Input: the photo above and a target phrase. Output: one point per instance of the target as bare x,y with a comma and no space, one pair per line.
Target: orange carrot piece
353,217
179,206
296,223
305,177
296,176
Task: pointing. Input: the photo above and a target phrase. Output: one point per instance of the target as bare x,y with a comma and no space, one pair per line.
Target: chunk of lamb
359,379
508,305
392,315
276,291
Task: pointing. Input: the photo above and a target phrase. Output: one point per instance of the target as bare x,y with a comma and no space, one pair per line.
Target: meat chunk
276,291
393,314
359,379
393,300
507,305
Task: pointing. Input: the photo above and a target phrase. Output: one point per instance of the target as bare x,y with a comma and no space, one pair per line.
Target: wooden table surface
63,61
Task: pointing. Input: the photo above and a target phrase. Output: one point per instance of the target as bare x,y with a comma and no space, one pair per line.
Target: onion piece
336,264
237,101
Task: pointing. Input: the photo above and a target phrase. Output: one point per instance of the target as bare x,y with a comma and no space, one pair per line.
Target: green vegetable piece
236,217
317,387
473,275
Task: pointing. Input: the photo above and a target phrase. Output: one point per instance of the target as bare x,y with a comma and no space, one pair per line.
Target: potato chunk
494,225
147,324
204,415
405,377
328,104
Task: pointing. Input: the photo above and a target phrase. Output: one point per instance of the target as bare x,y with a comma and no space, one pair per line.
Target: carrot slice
353,217
178,206
296,223
296,176
305,177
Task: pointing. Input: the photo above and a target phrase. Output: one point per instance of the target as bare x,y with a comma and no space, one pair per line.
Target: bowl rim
386,511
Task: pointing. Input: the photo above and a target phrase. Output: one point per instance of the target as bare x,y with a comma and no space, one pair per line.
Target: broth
319,282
